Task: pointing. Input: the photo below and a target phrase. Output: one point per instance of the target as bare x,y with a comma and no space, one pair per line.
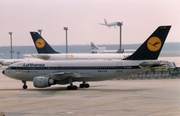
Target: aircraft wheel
86,85
25,86
81,85
72,87
69,87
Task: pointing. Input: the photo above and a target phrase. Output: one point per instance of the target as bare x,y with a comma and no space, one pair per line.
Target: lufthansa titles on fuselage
33,65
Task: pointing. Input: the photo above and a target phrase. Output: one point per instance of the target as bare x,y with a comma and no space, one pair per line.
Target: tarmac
156,97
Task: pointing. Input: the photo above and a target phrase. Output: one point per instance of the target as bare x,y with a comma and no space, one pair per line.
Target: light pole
18,54
40,30
66,28
10,33
120,41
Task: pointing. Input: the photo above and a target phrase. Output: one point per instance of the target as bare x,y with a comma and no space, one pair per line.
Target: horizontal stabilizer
42,56
145,65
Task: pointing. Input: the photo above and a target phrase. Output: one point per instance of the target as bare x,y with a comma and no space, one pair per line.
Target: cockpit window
9,67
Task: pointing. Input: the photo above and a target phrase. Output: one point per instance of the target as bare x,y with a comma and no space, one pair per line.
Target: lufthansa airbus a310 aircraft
47,73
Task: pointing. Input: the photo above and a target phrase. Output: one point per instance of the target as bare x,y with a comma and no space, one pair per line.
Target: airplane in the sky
109,24
47,73
96,49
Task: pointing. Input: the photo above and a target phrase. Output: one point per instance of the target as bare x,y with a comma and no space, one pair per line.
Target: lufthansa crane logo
71,56
154,44
40,43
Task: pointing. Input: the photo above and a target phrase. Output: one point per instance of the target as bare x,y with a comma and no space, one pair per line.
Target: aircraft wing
63,75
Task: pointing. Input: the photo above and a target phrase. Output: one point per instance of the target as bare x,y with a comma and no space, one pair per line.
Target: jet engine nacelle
41,82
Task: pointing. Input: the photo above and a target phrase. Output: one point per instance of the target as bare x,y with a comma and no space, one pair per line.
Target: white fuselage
111,24
104,51
72,56
7,62
83,70
126,51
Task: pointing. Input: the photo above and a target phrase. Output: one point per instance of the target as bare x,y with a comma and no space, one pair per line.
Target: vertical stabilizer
41,45
151,48
105,21
94,47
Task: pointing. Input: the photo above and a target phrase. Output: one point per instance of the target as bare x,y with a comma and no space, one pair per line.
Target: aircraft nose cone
3,71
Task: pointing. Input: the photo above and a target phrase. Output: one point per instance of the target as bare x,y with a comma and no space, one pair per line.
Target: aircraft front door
119,67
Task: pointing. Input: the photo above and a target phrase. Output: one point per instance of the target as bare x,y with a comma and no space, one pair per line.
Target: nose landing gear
24,86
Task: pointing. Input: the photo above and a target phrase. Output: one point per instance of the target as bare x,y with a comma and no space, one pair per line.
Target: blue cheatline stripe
75,68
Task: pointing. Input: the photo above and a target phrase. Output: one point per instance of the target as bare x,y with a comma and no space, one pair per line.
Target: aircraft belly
106,75
98,75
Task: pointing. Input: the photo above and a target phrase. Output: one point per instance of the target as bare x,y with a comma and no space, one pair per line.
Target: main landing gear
74,87
84,85
24,86
71,86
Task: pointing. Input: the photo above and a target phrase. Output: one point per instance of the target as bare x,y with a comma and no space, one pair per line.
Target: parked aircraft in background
48,53
7,62
109,24
47,73
96,49
41,45
70,56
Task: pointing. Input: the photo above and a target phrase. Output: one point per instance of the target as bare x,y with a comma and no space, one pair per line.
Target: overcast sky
140,18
